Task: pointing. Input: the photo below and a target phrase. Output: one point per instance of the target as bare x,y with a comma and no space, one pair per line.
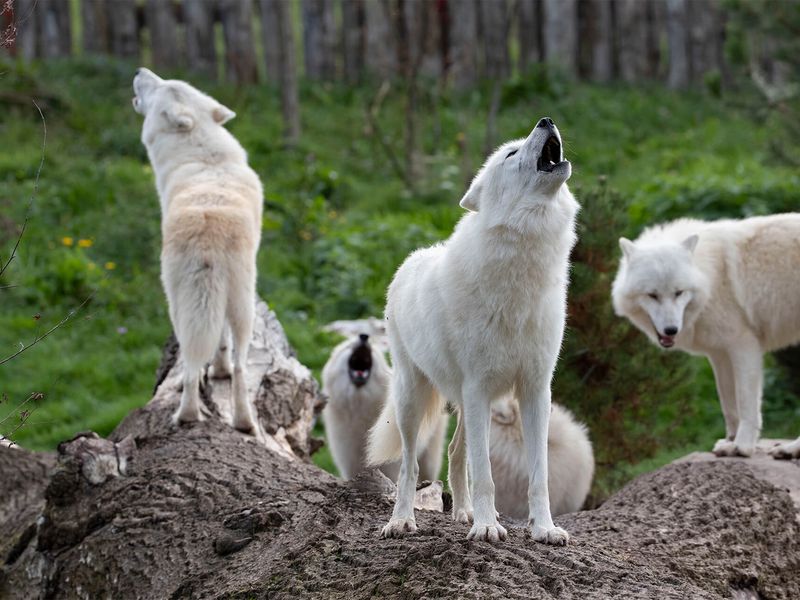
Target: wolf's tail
384,444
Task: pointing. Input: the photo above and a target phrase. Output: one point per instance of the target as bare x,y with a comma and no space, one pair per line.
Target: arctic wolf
728,290
570,461
211,227
356,380
476,317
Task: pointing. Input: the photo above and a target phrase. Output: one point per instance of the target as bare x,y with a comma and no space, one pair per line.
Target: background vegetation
337,223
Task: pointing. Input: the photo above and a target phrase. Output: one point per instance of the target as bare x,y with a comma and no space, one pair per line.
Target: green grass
337,223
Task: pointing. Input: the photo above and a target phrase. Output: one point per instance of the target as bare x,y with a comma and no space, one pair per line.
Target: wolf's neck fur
201,158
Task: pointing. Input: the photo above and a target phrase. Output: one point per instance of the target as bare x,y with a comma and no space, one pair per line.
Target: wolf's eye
510,154
654,296
678,293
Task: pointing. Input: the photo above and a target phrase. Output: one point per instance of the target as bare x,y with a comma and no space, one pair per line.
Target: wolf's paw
462,515
398,528
245,424
786,451
553,535
187,416
726,447
488,533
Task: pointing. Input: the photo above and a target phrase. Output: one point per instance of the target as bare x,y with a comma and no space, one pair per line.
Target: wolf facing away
728,290
569,454
472,319
356,381
211,203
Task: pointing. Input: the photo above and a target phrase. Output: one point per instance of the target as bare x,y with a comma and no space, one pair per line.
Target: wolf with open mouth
477,317
728,290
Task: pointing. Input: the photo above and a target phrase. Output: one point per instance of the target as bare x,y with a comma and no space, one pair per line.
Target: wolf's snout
672,330
545,122
363,337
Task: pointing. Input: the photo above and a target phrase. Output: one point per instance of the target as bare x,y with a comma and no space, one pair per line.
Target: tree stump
159,511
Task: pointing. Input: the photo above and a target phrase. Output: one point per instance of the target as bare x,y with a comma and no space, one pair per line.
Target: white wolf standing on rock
211,227
356,381
475,317
729,290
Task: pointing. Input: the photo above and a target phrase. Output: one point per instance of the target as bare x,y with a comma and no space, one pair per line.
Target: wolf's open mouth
666,341
551,155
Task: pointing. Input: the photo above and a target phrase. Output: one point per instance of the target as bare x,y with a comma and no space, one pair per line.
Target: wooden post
237,27
96,32
463,47
201,50
124,28
162,24
55,30
560,34
529,32
319,39
353,39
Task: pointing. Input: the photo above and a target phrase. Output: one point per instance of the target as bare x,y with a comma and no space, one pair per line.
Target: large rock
202,511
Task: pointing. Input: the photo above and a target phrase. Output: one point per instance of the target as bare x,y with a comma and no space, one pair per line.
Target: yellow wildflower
110,266
66,240
85,243
92,266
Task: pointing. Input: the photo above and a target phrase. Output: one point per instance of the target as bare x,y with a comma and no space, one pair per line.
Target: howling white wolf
211,226
729,290
475,317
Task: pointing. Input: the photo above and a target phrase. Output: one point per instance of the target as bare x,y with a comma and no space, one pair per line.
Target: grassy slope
338,219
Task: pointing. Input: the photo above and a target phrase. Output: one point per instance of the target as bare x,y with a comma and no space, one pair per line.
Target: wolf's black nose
137,71
363,337
670,330
545,122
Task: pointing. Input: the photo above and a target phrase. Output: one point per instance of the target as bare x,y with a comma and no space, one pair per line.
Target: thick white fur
211,227
569,454
474,317
740,298
351,412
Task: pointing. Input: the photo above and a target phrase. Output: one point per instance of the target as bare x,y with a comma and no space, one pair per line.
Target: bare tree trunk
463,47
529,32
678,38
124,28
706,37
656,38
56,38
632,39
163,28
319,40
279,14
271,38
494,27
425,35
201,50
96,28
381,57
240,53
353,39
561,34
597,40
26,19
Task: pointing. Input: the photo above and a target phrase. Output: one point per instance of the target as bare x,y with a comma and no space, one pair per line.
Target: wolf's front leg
534,406
457,473
476,409
746,364
726,391
789,450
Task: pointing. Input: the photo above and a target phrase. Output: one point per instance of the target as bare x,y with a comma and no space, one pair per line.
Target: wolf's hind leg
457,473
411,392
222,365
241,314
189,409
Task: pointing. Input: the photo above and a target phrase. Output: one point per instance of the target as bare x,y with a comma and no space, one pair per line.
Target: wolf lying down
728,290
356,379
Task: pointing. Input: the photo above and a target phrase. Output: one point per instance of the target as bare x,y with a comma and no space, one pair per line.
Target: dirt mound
204,511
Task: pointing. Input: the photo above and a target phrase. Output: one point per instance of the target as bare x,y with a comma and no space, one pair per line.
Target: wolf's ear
179,118
627,247
470,199
222,114
690,243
